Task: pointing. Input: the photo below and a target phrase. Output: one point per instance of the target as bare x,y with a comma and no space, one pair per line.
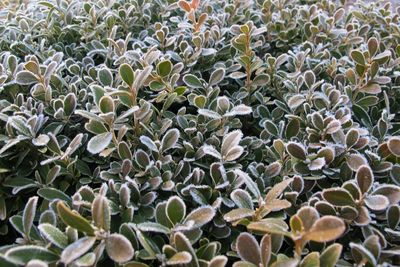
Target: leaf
200,216
377,202
373,46
230,148
74,219
105,77
180,258
149,143
358,57
308,216
239,110
292,128
184,5
54,235
218,261
164,68
266,249
365,254
355,161
371,88
393,216
248,248
119,248
310,260
101,213
331,255
333,126
77,249
170,139
392,192
394,146
19,123
98,92
106,104
296,101
99,142
23,254
352,137
238,214
127,74
365,178
217,76
25,77
277,190
183,244
153,227
192,81
29,215
176,209
317,164
52,194
141,77
251,185
88,259
269,226
326,229
242,199
338,197
209,113
296,150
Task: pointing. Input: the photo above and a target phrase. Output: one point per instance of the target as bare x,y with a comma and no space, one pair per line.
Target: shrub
204,133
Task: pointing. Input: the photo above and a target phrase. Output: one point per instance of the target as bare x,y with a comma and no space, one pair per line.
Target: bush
205,133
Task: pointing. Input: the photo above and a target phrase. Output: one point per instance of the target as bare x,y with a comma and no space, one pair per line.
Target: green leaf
23,254
269,226
201,216
251,185
25,77
99,142
216,76
242,199
192,81
7,262
52,194
54,235
29,215
331,255
338,197
238,214
153,227
106,104
164,68
358,57
311,260
98,92
296,150
127,74
77,249
176,209
170,139
183,244
105,76
74,219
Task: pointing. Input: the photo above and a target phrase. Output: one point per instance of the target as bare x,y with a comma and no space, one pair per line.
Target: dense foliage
205,133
